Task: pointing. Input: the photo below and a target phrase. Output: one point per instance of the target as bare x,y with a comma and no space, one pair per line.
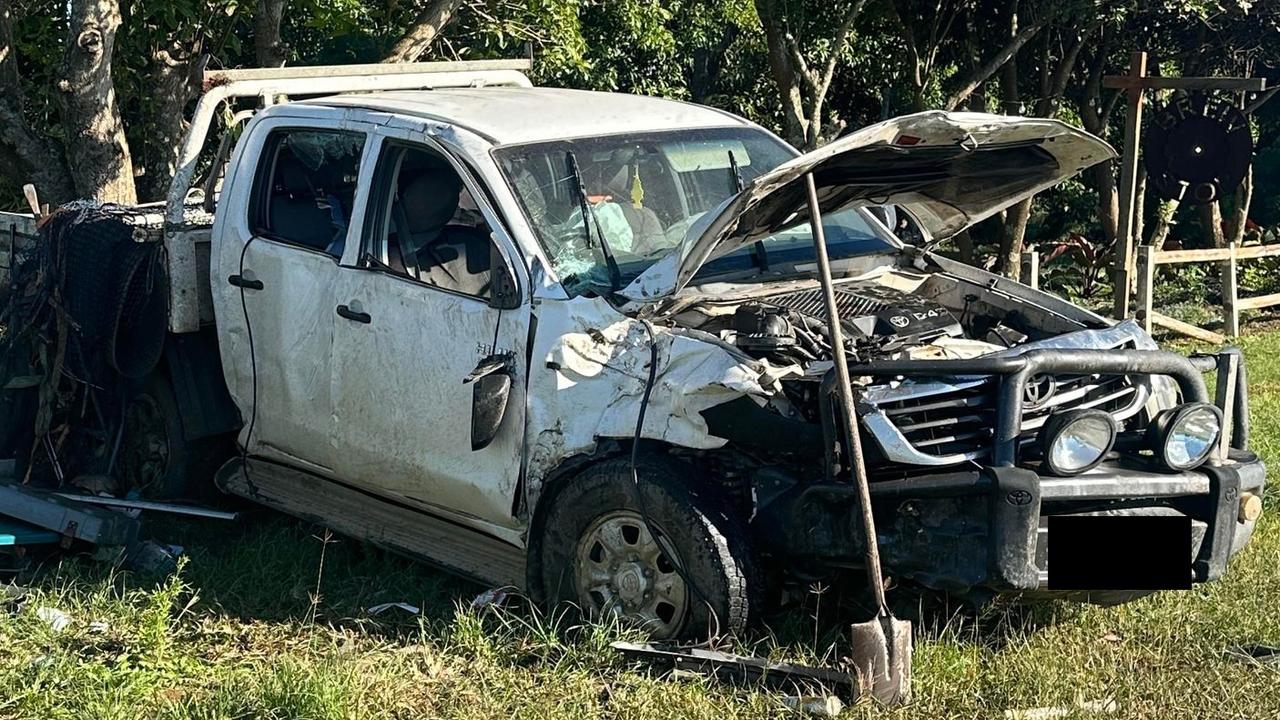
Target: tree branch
997,61
430,21
30,158
1261,100
837,46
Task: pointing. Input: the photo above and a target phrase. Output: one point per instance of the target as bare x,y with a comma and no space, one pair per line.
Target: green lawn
267,620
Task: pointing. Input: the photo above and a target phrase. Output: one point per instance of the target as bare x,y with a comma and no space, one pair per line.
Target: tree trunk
268,48
1211,223
1164,224
1239,221
1108,201
1013,231
164,121
785,75
27,157
102,167
431,19
989,68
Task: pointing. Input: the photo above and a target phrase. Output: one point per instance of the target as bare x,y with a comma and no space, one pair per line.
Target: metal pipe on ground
881,647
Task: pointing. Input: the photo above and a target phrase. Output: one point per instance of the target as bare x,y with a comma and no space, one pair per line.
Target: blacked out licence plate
1104,552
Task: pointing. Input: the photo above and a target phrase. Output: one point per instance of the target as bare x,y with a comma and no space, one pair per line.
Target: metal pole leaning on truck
881,646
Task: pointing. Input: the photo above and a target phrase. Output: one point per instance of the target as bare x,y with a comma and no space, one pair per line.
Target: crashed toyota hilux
574,342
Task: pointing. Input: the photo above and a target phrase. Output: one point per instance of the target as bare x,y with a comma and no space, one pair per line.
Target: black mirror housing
504,291
490,392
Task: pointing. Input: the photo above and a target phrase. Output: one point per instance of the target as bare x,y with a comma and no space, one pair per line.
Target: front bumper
988,527
992,532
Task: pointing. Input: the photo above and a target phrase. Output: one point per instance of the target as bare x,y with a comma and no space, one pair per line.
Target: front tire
684,571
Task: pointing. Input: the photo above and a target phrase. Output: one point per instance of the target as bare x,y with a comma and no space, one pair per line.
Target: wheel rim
144,455
624,571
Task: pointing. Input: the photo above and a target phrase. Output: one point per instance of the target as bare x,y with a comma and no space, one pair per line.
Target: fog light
1184,436
1076,441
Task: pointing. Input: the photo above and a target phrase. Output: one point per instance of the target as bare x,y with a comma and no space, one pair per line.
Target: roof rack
269,84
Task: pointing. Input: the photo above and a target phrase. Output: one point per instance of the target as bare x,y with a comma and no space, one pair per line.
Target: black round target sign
1196,149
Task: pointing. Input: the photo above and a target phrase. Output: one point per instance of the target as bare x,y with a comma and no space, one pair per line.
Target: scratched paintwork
592,364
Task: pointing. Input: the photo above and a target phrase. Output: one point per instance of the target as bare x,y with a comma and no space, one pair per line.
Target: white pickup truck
572,342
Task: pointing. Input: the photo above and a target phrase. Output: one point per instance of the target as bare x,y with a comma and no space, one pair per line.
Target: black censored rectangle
1090,552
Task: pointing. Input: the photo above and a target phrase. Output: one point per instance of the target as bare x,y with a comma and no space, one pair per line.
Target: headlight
1076,441
1184,436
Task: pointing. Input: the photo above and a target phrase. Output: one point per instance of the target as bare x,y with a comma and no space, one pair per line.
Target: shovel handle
874,576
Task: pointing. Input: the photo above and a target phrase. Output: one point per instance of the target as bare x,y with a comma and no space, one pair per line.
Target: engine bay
890,314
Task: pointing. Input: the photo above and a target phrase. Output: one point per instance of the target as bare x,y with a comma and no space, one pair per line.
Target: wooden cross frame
1136,83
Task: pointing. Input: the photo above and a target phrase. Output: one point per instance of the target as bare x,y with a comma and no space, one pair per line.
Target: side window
425,225
306,186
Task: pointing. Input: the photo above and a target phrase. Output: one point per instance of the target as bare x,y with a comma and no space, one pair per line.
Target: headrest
430,202
293,175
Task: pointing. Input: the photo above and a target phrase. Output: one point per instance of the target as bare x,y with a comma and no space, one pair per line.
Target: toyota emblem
1038,391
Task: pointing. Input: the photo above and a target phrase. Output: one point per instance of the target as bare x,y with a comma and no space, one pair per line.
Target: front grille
962,421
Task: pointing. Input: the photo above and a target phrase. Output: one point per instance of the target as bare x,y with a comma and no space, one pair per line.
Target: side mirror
504,291
490,392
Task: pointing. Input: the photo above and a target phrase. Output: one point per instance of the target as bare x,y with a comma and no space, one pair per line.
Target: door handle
348,313
243,282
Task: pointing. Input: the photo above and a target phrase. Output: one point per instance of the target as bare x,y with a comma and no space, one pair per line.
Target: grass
254,625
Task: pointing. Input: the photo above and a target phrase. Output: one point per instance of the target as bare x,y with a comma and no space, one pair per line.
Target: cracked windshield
641,194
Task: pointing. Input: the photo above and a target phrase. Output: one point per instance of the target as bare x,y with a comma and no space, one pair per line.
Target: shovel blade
881,654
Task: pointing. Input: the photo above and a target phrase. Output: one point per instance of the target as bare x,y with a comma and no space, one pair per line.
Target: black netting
88,308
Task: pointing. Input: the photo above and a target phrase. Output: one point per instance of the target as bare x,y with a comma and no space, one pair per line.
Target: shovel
881,646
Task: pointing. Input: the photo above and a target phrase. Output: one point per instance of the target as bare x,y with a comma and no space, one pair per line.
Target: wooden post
1146,285
1128,185
1030,269
1230,295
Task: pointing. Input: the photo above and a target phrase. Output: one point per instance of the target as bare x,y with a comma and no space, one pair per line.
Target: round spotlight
1183,437
1076,441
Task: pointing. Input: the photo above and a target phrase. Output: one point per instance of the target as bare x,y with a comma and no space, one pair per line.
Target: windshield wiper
760,254
588,219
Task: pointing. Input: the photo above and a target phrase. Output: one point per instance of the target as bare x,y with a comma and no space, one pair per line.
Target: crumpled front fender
589,369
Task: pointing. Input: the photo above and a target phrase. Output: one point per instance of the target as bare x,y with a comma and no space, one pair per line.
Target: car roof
519,114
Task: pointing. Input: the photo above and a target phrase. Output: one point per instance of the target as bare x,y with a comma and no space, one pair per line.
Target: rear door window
306,186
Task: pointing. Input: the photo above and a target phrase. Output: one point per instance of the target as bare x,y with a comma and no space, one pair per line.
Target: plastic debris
155,558
54,618
379,609
826,706
496,597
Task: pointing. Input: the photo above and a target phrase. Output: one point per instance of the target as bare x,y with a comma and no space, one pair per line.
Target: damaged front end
985,407
960,387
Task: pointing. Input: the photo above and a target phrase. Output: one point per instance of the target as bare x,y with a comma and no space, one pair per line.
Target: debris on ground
800,680
1077,708
1256,653
153,558
54,618
379,609
133,504
825,706
496,597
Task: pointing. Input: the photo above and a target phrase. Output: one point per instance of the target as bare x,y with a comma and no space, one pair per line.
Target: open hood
948,170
